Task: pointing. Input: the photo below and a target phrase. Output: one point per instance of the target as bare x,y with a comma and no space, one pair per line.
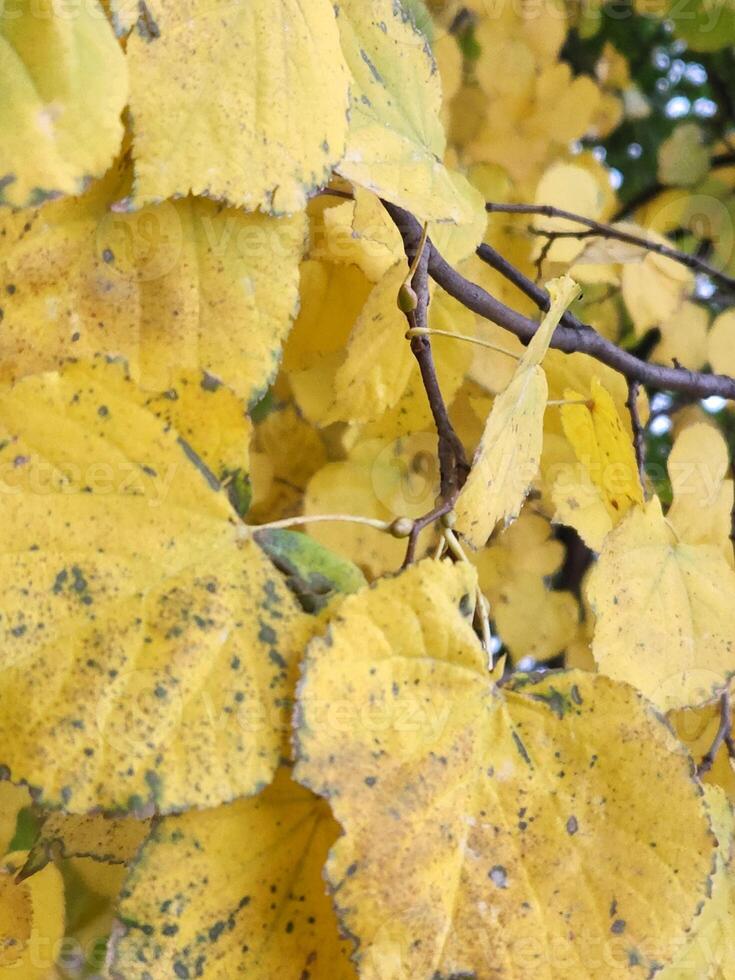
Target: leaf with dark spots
500,825
251,910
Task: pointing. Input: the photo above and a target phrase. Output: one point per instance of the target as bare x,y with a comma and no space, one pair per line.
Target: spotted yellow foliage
665,619
183,285
31,920
65,83
508,456
396,142
266,137
709,952
465,833
123,560
91,835
199,902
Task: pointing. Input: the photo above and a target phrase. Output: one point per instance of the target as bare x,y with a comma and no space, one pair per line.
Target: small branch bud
401,527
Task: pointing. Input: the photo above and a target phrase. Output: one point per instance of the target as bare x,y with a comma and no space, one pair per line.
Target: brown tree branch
598,228
639,442
582,339
722,735
453,465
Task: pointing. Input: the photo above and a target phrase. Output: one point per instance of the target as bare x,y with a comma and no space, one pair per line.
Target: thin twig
639,440
582,339
527,286
421,523
603,230
431,332
453,466
542,255
722,736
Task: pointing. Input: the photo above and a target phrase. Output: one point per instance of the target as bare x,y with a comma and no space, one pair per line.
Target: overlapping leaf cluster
230,752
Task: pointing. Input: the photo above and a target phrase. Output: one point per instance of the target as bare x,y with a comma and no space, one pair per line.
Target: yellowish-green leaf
181,286
64,82
261,124
508,456
235,892
396,142
31,920
683,158
167,641
665,611
471,814
12,800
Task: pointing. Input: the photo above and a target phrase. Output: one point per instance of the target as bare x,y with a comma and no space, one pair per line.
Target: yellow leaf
654,288
572,188
508,456
167,641
567,104
361,232
531,620
699,469
211,419
260,125
211,907
332,296
466,834
684,337
721,343
665,611
378,361
64,82
384,478
396,141
31,920
709,953
180,286
606,456
697,728
295,453
91,835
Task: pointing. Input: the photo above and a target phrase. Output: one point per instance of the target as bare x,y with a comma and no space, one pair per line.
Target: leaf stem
432,332
288,522
602,230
